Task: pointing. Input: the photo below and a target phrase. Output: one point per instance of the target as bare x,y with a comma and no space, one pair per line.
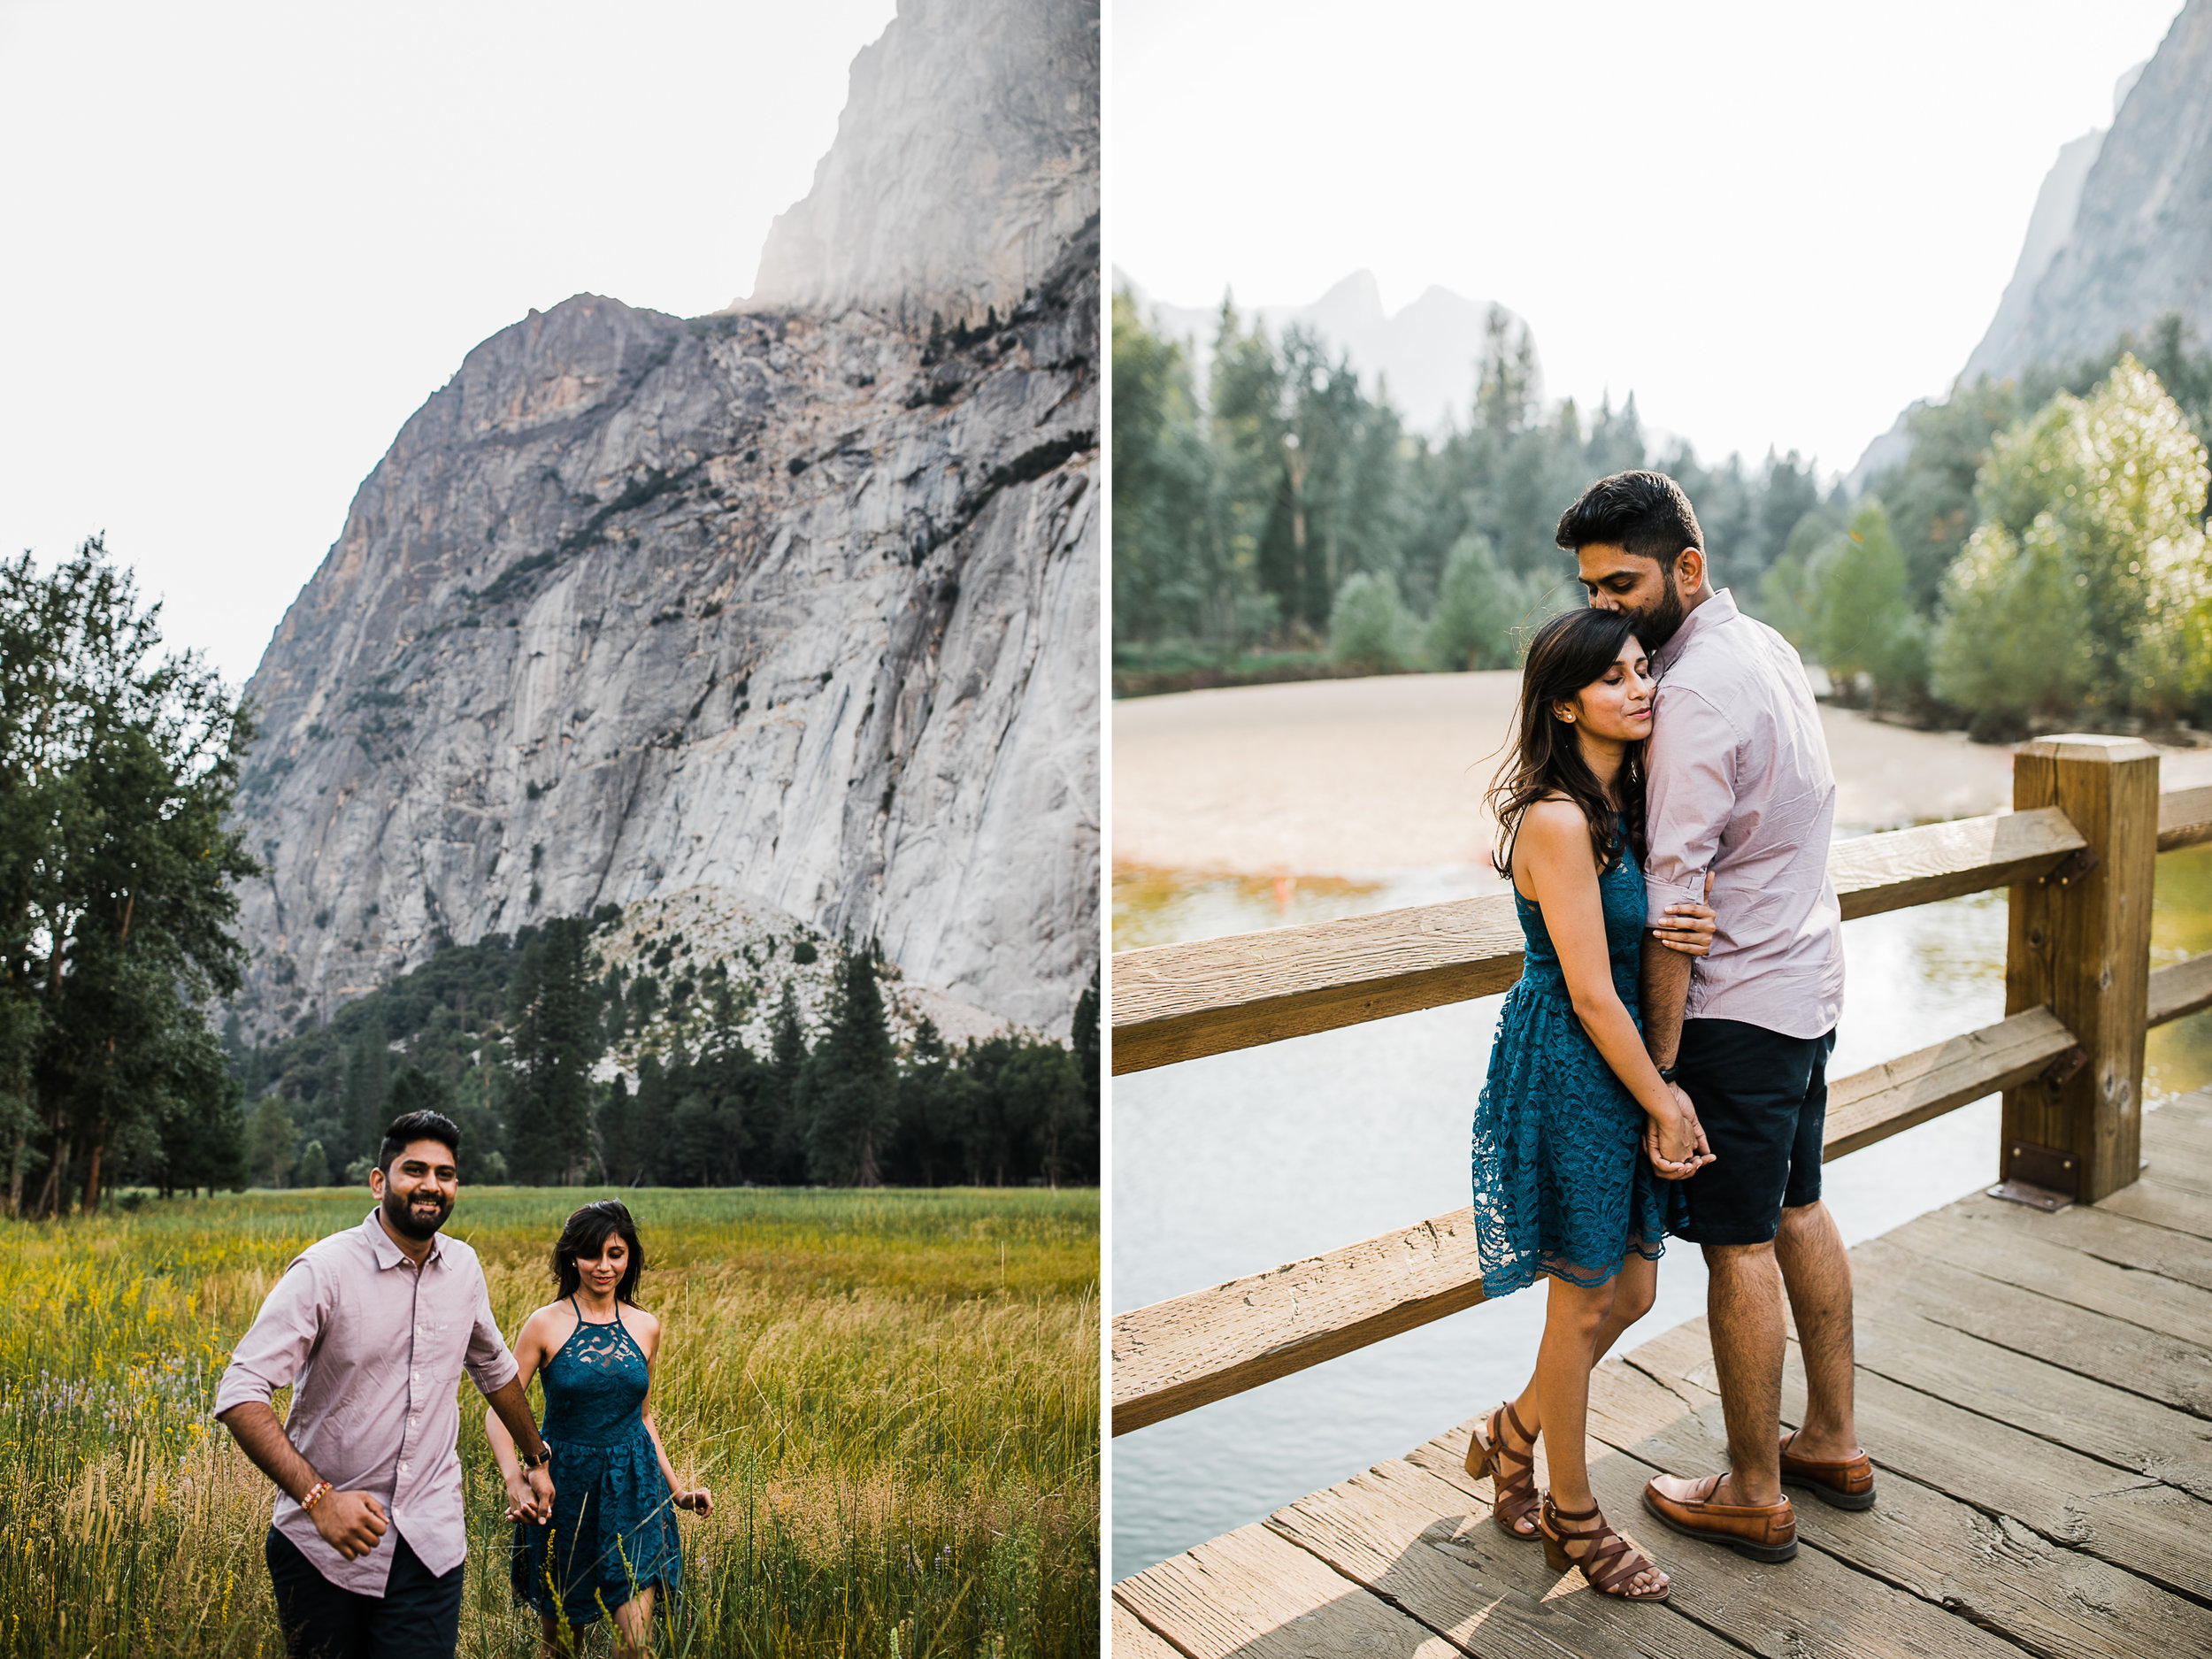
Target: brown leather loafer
1847,1483
1764,1531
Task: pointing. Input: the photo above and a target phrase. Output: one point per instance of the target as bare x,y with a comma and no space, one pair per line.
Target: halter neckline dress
1561,1182
613,1528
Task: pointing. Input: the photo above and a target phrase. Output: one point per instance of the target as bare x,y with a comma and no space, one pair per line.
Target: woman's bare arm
530,1353
1553,863
694,1498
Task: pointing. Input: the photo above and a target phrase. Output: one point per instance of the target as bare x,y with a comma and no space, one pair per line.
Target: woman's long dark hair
1571,652
586,1234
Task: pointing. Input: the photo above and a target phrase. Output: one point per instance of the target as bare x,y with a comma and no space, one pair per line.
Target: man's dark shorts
419,1617
1764,1100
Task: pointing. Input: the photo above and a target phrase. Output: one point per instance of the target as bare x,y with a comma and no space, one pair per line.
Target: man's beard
1656,626
399,1213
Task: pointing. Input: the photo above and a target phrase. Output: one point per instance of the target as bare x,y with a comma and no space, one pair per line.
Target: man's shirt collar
1720,608
387,1253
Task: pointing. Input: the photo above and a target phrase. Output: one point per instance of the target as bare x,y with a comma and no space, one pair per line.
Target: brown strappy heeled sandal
1513,1497
1610,1562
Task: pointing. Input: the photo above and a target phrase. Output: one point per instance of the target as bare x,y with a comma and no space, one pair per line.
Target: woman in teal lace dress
1576,1130
611,1539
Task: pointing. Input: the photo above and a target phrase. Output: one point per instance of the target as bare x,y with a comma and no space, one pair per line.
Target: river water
1234,1163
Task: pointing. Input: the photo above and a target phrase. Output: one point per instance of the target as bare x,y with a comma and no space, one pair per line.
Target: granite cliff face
990,107
2135,240
801,606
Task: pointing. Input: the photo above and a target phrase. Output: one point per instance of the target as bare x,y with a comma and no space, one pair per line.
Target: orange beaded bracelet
314,1495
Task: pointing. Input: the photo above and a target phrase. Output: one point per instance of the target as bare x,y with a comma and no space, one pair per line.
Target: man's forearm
1666,993
512,1406
262,1437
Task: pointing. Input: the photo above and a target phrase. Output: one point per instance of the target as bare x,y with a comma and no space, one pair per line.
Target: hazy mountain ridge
2138,241
801,608
1427,354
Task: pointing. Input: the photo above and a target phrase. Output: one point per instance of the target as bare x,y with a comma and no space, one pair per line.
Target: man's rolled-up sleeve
489,1363
273,1351
1689,792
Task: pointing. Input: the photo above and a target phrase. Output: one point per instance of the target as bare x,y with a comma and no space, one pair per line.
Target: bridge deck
2036,1391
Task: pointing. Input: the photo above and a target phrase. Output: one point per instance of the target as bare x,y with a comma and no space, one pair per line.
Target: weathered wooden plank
2154,1364
2153,1200
1173,1003
2163,1306
1887,1099
1902,868
1994,1572
2109,1424
1177,1355
1422,1544
2147,1528
2180,989
2182,1163
1254,1594
2099,1232
1133,1640
2175,1129
2185,817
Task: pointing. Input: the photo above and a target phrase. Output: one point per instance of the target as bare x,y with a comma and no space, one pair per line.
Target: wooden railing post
2080,941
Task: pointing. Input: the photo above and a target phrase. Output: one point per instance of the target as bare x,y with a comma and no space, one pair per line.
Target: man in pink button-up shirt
372,1328
1739,791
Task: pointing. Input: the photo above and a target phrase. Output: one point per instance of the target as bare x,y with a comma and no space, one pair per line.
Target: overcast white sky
1777,223
244,242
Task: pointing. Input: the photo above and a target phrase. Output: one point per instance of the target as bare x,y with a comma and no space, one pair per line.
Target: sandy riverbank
1375,776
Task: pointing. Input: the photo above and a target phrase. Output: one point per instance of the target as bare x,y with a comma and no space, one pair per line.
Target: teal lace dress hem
1561,1182
613,1528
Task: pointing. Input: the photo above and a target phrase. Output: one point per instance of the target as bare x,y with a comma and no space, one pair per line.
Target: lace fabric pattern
613,1529
1561,1183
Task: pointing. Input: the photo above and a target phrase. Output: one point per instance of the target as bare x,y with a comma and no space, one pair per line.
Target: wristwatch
544,1457
1666,1073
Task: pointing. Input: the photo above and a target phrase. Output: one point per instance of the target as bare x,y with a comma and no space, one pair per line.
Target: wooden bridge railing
2078,853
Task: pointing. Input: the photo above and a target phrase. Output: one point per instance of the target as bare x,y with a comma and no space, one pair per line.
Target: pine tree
118,767
780,1105
557,1042
848,1091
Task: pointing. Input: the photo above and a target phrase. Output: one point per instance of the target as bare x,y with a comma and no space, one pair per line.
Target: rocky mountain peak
792,612
967,158
2122,232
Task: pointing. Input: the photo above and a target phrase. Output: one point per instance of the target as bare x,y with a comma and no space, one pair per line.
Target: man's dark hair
408,1127
1644,514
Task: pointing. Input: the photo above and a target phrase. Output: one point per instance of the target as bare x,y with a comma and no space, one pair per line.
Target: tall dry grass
894,1396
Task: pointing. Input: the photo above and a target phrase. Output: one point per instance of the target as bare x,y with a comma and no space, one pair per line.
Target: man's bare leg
1743,1309
1816,1272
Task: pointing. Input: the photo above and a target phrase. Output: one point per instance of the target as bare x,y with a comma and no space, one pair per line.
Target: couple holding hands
1661,1066
372,1328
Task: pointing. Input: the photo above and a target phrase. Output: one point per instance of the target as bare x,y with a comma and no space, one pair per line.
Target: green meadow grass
894,1395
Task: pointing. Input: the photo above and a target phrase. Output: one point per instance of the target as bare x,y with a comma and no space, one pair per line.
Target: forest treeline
2036,557
118,765
504,1036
